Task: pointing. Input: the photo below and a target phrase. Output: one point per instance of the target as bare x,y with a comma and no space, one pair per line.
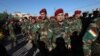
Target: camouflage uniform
90,35
87,46
44,31
70,22
12,34
23,26
95,47
42,28
29,25
73,25
56,30
33,29
26,28
76,25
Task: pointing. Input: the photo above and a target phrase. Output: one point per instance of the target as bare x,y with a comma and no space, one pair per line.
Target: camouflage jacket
56,30
41,27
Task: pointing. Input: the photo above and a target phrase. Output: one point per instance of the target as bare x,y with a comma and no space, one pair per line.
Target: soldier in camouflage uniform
26,27
11,32
33,28
70,22
42,27
95,47
77,24
74,32
74,22
71,26
90,39
23,26
58,28
66,16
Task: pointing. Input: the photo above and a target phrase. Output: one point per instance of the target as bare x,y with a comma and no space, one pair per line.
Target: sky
34,6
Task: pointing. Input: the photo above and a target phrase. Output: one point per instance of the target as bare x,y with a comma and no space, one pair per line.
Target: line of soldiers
48,30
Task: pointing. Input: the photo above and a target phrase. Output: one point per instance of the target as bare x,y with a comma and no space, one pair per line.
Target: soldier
33,28
77,24
28,25
30,17
95,15
52,18
58,28
91,37
22,26
11,32
85,22
41,27
66,16
25,27
69,21
44,27
3,51
87,40
95,47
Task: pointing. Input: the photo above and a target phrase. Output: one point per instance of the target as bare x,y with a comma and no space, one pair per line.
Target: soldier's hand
89,41
69,46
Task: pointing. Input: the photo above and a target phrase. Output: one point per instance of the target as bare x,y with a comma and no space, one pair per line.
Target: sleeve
50,31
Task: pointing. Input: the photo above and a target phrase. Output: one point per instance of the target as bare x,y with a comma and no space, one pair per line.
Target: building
20,15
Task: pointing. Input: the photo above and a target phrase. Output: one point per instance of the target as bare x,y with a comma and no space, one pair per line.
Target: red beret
77,12
30,17
43,10
34,17
58,11
66,14
39,17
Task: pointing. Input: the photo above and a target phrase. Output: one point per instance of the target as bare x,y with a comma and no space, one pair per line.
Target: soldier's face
33,21
43,15
78,15
60,17
30,19
66,17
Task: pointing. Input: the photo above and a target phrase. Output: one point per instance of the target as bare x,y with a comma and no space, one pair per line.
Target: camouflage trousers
13,40
12,37
23,30
95,49
87,50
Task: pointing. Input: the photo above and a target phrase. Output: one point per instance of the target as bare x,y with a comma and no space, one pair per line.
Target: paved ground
22,48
